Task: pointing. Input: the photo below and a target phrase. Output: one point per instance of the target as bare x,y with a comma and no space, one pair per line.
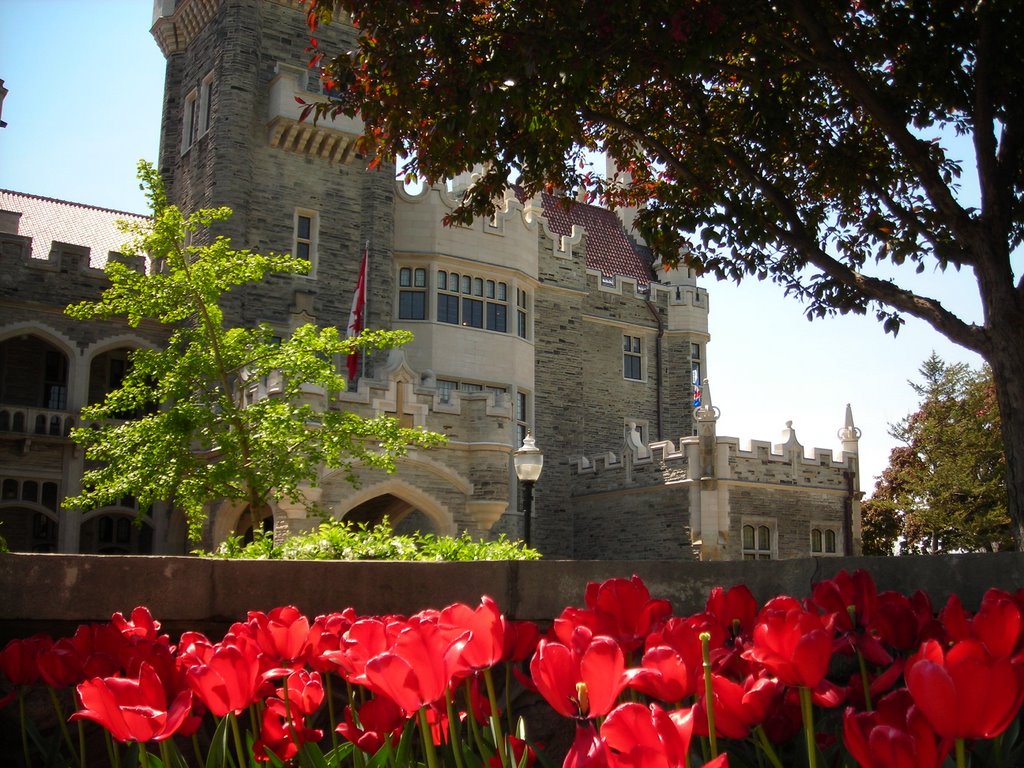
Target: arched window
757,541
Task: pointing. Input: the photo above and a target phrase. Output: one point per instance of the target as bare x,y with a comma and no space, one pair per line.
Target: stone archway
404,517
407,508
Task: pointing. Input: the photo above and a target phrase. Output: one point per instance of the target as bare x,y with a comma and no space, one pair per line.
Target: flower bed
845,677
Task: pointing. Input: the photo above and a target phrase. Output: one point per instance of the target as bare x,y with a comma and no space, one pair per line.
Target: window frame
632,357
311,241
755,549
205,105
824,531
190,120
412,293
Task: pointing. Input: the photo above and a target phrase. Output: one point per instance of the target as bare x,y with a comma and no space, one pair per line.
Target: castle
550,317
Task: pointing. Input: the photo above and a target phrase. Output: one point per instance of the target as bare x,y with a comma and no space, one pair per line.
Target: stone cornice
312,140
174,32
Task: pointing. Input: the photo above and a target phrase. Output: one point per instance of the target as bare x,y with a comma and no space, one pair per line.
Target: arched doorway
404,517
246,525
117,531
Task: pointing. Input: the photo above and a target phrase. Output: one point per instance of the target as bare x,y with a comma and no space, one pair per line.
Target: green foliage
945,488
195,435
338,540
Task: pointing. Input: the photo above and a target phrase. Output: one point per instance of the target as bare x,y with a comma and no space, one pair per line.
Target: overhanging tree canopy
793,141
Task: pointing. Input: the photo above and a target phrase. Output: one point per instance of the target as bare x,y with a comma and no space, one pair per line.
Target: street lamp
529,461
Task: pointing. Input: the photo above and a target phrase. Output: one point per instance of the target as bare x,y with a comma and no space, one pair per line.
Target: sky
85,82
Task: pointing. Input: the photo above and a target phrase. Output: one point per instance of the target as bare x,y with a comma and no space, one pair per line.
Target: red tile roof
47,221
609,249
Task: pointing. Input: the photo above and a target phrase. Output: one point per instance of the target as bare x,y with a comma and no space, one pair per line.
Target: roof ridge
73,203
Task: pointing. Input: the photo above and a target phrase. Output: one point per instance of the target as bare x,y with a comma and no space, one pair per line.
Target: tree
194,436
794,141
943,490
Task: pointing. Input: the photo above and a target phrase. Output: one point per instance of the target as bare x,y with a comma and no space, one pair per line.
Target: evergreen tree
193,434
944,489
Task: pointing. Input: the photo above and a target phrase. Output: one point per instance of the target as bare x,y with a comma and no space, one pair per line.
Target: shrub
338,540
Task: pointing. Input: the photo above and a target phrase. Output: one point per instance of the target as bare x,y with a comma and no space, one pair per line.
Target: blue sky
85,81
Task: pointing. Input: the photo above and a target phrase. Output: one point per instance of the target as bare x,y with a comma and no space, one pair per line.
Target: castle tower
231,136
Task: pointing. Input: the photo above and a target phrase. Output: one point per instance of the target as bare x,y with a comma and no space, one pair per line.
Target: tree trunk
1007,361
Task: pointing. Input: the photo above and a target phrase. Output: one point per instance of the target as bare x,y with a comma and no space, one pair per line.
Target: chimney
9,221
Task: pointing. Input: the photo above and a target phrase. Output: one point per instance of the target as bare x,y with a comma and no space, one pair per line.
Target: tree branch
830,58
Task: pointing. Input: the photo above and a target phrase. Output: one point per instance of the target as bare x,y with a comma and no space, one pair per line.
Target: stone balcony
331,139
21,420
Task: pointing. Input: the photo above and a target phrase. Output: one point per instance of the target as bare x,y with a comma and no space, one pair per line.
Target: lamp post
529,461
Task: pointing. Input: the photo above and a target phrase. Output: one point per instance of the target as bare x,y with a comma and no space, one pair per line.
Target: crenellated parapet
800,501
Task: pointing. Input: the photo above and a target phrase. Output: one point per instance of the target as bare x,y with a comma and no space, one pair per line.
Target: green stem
499,739
508,697
143,754
330,710
961,754
165,752
236,733
81,743
474,727
112,752
24,730
60,719
807,714
864,681
709,696
427,739
454,738
766,747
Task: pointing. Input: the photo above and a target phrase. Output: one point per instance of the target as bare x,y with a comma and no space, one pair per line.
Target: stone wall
56,592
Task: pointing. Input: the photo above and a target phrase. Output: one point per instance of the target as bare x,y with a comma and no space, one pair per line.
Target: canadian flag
355,318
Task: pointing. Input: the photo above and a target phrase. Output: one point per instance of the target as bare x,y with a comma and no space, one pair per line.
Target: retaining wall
54,592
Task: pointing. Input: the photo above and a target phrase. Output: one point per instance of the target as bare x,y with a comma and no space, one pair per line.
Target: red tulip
734,609
619,608
663,674
418,667
999,624
133,709
895,735
738,707
581,680
587,749
282,635
362,641
142,625
793,645
380,721
850,606
19,659
62,665
521,638
325,635
486,642
305,692
280,736
965,692
647,737
229,679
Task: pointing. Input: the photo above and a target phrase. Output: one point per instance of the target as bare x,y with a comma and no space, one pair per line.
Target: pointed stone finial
706,411
789,441
850,433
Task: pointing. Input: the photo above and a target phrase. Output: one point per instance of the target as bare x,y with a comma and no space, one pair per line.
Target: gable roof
49,221
609,249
